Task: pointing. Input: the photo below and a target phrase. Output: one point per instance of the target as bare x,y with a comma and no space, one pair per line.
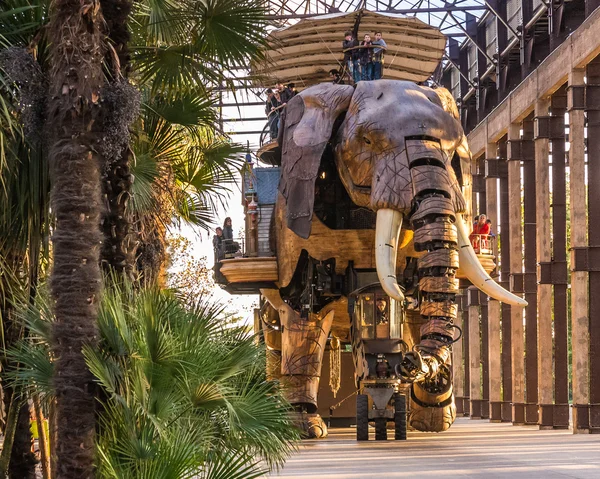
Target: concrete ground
469,449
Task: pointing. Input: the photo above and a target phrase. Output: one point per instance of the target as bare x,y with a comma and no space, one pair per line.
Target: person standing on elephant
378,56
351,56
366,59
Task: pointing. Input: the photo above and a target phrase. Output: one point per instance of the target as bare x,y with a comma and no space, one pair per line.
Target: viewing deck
473,449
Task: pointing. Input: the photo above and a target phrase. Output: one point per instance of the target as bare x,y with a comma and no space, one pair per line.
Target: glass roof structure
491,45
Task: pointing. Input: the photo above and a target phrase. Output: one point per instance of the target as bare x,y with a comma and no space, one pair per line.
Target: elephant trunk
387,234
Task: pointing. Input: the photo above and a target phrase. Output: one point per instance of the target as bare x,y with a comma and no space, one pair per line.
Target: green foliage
184,396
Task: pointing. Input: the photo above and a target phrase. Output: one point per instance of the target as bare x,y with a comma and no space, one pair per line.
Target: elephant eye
367,141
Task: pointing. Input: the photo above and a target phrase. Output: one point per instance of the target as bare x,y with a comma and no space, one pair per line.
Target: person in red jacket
482,227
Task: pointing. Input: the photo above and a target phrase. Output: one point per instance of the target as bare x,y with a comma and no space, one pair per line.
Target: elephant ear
307,126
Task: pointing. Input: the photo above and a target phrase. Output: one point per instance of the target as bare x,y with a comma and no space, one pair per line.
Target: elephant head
394,143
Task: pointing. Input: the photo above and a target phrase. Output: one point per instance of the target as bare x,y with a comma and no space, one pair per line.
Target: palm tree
180,53
23,216
185,395
76,54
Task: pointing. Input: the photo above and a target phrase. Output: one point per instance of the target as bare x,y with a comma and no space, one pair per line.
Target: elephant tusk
475,272
387,234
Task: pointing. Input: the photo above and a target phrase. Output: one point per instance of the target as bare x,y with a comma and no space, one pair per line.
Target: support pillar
529,279
458,364
475,386
556,272
580,322
505,263
592,105
544,255
515,154
492,364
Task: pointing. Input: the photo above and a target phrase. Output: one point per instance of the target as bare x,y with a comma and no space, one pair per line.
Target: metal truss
447,16
492,44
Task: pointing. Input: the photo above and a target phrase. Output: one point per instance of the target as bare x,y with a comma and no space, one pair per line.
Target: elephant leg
271,329
303,341
428,366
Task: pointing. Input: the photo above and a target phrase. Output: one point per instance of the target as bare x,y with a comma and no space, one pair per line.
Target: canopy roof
305,52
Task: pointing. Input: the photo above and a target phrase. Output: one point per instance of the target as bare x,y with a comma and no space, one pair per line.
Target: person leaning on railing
230,246
274,106
366,58
480,229
351,56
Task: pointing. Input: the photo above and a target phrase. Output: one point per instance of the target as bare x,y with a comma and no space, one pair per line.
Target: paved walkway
469,449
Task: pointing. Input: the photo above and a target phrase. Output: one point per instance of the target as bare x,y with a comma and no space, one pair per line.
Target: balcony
485,247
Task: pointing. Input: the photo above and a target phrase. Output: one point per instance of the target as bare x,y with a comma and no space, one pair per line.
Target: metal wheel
381,429
400,418
362,417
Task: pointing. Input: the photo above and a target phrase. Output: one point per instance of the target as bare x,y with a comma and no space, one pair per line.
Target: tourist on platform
489,223
269,93
289,92
218,243
274,114
336,77
351,56
378,56
230,246
284,93
366,58
481,228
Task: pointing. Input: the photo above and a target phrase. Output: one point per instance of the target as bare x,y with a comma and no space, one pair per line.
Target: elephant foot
431,410
311,425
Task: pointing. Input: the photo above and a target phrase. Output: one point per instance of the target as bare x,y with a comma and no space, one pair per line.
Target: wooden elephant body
375,186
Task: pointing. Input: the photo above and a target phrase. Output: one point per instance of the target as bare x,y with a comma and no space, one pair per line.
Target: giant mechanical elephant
399,151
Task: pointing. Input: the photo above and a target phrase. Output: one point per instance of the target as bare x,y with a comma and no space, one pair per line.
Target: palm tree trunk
76,78
42,438
22,460
10,427
119,247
